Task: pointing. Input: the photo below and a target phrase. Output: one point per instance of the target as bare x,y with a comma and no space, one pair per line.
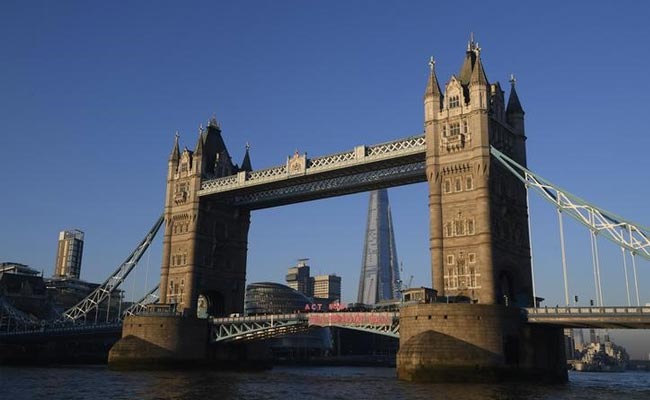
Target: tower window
469,183
450,259
454,101
471,258
448,229
470,226
458,185
444,131
447,186
454,129
465,128
460,229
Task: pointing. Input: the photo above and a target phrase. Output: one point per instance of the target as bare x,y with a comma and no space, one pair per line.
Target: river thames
97,382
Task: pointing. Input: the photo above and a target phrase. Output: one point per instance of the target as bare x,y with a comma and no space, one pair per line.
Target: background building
323,288
24,289
379,270
298,278
274,298
69,253
327,287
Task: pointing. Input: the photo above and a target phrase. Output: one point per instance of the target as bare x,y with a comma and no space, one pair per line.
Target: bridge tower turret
205,243
478,216
203,267
480,255
515,119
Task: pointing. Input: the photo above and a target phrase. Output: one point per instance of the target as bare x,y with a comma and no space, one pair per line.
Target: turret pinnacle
478,73
514,106
433,88
199,144
175,155
246,164
471,55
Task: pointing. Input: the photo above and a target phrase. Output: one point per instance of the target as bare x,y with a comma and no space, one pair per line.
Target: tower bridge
472,156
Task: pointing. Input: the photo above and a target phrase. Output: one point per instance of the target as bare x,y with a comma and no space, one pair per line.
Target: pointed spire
175,155
465,73
514,106
433,88
246,164
212,122
199,144
478,73
472,54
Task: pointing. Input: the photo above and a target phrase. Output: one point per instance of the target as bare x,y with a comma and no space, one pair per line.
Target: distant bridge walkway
260,327
592,317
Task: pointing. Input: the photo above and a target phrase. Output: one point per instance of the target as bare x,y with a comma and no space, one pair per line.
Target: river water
297,383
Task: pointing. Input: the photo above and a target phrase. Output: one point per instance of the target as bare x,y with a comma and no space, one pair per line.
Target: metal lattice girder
141,305
360,159
256,327
624,233
102,293
363,181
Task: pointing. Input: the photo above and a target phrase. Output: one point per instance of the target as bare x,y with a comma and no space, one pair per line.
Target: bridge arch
506,288
210,303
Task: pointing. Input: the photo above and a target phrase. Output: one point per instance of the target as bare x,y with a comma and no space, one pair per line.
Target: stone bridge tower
478,214
205,242
203,268
480,255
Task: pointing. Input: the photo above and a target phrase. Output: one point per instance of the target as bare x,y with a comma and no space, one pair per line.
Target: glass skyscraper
379,270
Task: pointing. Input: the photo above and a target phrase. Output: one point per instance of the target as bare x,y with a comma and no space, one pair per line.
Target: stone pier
476,343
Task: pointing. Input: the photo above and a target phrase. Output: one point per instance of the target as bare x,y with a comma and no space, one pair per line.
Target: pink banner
343,318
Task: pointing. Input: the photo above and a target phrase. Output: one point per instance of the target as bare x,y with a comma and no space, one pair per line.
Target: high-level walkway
363,168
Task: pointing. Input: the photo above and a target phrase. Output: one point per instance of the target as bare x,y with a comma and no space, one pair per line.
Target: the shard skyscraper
379,271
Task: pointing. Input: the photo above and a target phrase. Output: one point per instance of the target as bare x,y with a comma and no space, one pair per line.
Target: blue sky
91,95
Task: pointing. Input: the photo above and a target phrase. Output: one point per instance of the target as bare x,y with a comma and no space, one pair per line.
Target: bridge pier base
476,343
171,341
160,341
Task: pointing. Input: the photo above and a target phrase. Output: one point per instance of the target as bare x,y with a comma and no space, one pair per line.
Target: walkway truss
624,233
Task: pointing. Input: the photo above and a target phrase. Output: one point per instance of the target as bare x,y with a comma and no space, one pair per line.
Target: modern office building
299,278
69,253
322,287
275,298
327,287
379,279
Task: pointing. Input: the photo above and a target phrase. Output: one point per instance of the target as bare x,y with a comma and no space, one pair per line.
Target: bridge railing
59,329
588,310
259,318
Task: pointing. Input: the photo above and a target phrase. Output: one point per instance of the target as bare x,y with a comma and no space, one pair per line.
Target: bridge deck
259,327
592,317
